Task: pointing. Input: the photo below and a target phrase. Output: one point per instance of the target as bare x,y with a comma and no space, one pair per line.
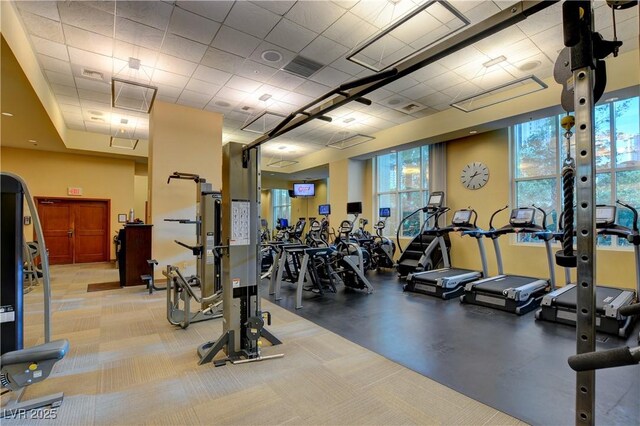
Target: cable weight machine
584,81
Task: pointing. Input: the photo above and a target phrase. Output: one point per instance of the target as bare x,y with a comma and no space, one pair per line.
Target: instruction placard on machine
240,223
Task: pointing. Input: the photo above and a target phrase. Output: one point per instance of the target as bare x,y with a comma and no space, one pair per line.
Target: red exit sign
74,191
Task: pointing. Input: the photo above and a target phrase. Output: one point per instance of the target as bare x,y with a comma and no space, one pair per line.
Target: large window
403,185
540,150
281,205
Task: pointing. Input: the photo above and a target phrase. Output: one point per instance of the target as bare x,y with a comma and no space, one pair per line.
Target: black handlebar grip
617,357
630,310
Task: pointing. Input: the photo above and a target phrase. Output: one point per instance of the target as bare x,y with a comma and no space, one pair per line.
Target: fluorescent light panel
263,123
282,163
410,34
132,96
350,141
504,92
123,143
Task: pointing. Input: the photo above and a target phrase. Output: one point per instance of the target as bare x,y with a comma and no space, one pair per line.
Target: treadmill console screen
522,217
461,218
605,215
436,199
385,212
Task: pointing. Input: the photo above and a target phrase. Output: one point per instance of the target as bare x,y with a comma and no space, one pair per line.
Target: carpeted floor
127,365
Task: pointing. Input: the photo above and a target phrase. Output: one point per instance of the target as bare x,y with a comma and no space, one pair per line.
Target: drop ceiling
227,57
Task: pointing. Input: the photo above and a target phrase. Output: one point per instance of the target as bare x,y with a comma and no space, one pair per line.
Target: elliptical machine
383,247
352,260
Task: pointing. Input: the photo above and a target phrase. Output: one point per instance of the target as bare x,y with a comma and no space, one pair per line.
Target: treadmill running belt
604,295
435,275
498,285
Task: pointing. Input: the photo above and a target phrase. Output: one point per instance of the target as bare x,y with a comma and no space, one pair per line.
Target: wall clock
474,175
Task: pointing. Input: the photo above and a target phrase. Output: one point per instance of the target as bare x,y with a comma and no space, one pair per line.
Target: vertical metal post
586,233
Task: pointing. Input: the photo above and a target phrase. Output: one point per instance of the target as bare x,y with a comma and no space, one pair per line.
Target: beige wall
140,191
351,180
49,174
614,267
300,207
186,140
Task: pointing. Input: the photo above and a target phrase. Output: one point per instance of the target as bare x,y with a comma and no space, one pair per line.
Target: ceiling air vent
304,67
92,74
410,107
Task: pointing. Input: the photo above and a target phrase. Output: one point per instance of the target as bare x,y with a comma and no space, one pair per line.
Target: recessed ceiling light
394,101
473,132
281,148
222,103
8,114
33,141
98,113
494,61
349,120
265,97
271,56
529,65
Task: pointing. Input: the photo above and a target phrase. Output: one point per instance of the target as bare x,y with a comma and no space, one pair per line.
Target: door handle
70,232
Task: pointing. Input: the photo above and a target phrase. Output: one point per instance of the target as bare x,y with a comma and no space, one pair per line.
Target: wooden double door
76,231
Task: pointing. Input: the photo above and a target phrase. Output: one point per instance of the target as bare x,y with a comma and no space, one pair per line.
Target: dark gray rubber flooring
515,364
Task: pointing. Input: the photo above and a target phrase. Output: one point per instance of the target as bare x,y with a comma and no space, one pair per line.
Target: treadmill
449,282
560,305
517,294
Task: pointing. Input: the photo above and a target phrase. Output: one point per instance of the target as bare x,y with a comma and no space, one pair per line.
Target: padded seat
48,351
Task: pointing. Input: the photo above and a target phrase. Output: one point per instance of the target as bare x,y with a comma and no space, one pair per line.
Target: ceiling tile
65,78
401,84
256,71
90,60
444,81
46,9
350,30
251,19
330,76
211,75
315,15
493,79
549,41
506,37
287,55
243,84
381,13
170,79
142,35
290,35
234,41
123,50
481,11
347,66
203,87
323,50
194,99
233,95
88,104
87,40
425,113
43,27
152,13
311,88
183,48
426,73
276,6
461,91
216,10
68,100
53,64
284,80
379,94
461,57
347,4
170,92
96,86
192,26
81,15
60,89
97,127
275,92
417,91
297,99
436,98
90,95
222,60
176,65
542,20
50,48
